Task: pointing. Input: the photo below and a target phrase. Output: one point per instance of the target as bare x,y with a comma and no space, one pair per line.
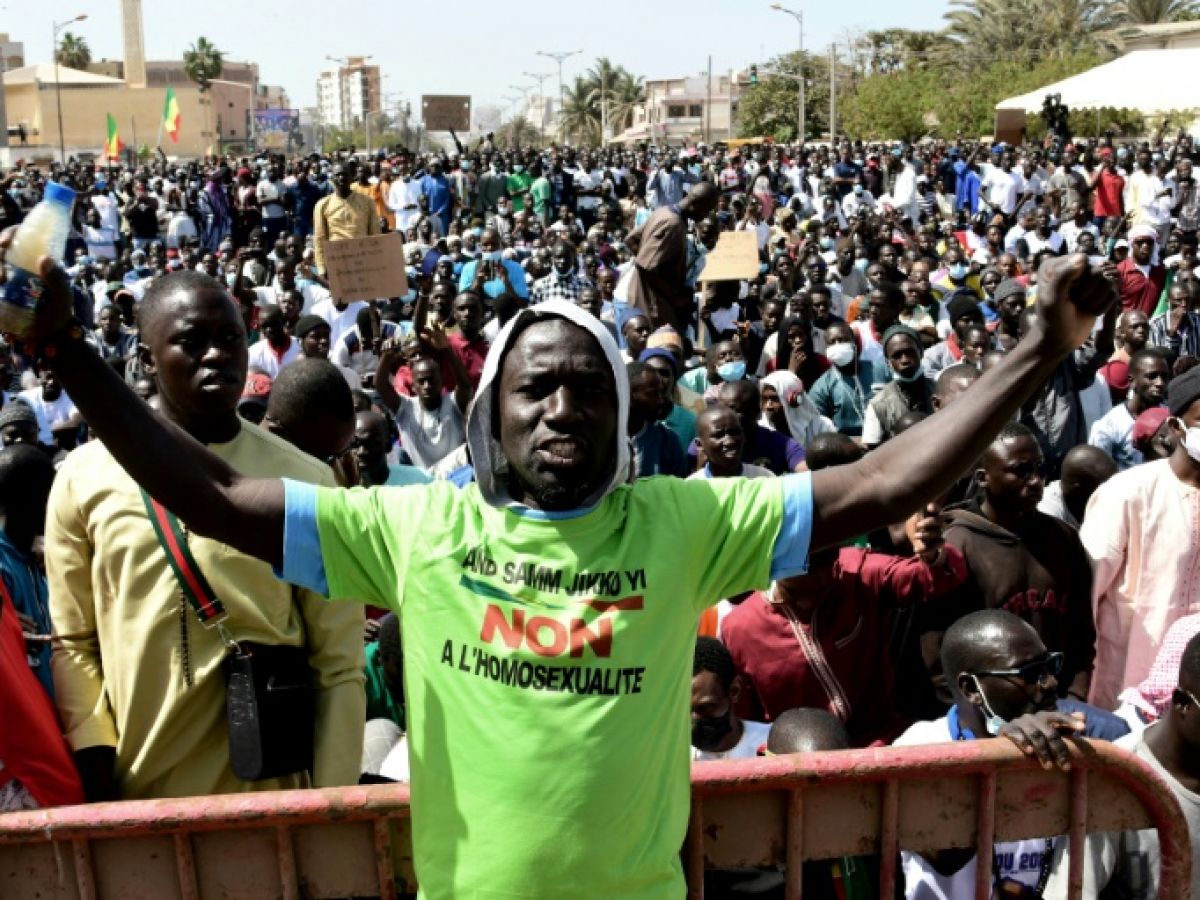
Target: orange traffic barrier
770,812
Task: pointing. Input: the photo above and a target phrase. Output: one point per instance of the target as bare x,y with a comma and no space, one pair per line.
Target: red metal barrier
752,813
356,842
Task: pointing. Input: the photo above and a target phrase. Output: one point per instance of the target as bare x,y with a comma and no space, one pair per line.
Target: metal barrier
752,813
356,841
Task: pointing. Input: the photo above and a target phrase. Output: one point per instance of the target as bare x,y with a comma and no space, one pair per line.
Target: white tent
1150,81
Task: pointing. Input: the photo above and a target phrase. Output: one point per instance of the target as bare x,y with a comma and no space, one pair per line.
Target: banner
446,113
273,127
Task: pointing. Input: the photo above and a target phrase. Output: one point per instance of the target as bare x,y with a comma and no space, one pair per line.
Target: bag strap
199,593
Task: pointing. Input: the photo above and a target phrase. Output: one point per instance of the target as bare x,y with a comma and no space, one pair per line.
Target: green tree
893,49
624,99
581,112
992,29
73,51
895,106
202,63
516,133
1153,12
772,107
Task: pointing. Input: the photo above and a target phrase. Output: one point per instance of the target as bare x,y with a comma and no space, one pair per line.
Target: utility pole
832,94
62,139
540,77
798,15
558,56
708,106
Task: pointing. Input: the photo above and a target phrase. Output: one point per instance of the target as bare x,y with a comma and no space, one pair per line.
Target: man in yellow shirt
343,214
139,681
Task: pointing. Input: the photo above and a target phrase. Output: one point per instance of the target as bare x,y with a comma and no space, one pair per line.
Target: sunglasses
1035,673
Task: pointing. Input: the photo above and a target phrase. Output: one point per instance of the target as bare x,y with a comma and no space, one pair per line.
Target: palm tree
1153,12
73,52
624,98
995,28
202,63
581,112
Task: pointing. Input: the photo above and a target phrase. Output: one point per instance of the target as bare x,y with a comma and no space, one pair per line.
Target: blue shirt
27,588
495,287
303,565
436,188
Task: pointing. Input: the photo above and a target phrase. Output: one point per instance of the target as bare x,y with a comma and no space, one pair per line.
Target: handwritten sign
368,268
735,257
442,112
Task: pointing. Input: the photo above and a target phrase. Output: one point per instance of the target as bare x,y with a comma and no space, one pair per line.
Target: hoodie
1039,572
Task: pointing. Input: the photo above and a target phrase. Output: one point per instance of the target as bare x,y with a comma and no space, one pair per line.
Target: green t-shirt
541,191
380,702
518,183
548,671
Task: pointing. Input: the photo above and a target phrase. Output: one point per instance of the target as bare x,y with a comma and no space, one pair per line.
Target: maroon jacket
1136,290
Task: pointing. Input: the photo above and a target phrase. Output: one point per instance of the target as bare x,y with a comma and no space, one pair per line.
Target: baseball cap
257,389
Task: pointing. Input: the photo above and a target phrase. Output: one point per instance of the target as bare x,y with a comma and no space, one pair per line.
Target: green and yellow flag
171,116
113,146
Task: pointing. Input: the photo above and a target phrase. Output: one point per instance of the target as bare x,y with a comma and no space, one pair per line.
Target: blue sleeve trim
302,562
790,553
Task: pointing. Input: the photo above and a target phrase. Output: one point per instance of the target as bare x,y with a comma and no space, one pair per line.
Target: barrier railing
782,811
776,811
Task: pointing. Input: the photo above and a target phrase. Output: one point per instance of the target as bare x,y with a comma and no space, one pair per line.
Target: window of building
675,111
695,111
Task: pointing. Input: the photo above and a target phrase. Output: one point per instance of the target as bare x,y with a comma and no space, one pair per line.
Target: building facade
350,93
687,109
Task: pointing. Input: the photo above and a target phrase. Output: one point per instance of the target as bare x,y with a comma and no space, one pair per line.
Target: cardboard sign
368,268
735,257
446,113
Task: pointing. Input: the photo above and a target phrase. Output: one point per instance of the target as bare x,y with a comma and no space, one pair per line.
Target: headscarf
804,420
1153,695
1138,232
491,466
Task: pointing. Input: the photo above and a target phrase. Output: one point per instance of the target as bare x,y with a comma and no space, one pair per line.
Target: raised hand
1071,294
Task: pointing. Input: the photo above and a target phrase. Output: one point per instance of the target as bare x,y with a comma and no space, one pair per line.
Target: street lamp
798,15
540,77
558,57
62,140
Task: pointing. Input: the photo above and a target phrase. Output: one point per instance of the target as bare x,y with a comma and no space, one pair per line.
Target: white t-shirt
262,356
395,764
49,412
754,735
341,322
748,471
1016,860
428,436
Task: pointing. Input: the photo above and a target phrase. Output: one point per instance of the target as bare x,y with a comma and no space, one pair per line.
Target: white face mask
840,354
1191,440
992,722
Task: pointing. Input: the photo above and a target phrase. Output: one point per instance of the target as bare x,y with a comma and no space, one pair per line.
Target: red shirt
1136,290
1108,190
470,353
851,672
32,746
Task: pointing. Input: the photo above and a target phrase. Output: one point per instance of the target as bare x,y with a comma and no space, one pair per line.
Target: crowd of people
932,475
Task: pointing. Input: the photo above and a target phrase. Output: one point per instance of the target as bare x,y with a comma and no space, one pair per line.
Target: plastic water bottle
43,233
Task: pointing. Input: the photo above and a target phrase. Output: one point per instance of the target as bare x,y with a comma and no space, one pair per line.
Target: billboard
445,112
273,127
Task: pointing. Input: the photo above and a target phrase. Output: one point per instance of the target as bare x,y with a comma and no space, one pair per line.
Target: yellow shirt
137,671
336,219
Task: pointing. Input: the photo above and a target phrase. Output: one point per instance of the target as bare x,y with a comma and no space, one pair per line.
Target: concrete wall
85,111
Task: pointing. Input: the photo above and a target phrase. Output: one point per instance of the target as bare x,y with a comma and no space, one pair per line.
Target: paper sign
735,257
368,268
446,112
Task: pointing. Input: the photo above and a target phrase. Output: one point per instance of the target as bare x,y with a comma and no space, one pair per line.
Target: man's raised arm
891,483
173,467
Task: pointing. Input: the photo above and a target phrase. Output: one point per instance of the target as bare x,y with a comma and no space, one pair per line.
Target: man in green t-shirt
549,610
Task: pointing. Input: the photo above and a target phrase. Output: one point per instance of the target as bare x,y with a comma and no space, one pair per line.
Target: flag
113,146
171,116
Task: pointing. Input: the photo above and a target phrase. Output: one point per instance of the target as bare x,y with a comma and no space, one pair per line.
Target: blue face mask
861,264
763,268
992,722
826,243
732,371
908,379
958,272
518,169
491,256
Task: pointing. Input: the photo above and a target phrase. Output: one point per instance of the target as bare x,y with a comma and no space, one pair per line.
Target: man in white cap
1142,276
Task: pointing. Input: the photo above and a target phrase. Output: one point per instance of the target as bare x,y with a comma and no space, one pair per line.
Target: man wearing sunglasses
1126,864
1005,683
1022,560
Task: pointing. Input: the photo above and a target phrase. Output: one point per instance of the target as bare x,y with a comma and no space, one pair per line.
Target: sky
480,50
